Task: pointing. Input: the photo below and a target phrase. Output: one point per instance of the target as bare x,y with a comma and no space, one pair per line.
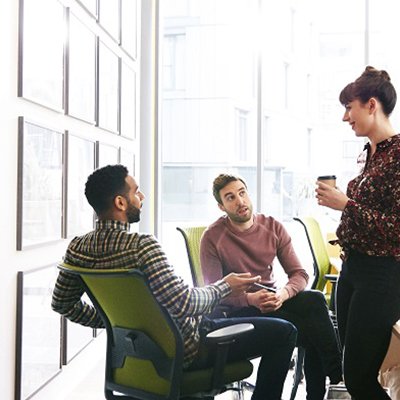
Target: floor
83,378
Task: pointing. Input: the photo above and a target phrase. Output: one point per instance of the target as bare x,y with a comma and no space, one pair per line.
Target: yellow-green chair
192,236
144,355
321,261
321,264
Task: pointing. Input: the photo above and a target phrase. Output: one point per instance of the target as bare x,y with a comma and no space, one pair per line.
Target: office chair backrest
192,236
144,345
321,262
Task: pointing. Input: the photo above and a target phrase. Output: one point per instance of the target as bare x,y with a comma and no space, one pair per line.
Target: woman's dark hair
371,83
221,181
104,184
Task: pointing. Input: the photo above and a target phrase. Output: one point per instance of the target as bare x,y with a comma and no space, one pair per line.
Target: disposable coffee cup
328,179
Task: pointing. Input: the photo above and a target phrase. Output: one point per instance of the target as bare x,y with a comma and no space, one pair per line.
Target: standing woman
368,291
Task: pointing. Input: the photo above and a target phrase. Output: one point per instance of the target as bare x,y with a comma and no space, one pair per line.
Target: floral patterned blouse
370,222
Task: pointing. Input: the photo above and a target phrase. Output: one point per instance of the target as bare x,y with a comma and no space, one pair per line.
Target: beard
241,218
132,213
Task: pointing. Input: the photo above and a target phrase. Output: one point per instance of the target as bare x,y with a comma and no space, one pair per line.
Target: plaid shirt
370,222
110,245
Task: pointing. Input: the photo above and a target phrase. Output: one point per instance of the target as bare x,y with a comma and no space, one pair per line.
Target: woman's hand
331,197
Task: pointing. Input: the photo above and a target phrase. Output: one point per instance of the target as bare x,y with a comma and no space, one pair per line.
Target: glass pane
128,102
129,14
107,155
41,184
42,52
80,165
208,102
252,87
40,359
383,39
81,82
109,17
127,158
108,88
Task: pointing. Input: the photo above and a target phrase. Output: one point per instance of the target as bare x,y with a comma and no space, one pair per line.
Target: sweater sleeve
213,270
298,277
210,263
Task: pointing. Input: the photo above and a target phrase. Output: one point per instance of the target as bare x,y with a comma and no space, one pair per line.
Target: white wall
11,260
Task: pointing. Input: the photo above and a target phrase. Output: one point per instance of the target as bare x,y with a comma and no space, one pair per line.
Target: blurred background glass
251,87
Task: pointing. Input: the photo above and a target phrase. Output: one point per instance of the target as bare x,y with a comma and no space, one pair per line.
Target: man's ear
120,203
221,207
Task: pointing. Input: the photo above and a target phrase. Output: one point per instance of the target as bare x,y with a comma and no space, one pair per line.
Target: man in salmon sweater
241,241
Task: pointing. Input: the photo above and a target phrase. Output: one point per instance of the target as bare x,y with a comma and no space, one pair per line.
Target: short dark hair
104,184
221,181
372,83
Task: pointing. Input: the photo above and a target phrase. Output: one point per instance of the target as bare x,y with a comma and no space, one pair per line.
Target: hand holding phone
261,286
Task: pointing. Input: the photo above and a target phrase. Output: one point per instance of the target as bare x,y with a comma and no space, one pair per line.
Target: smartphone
261,286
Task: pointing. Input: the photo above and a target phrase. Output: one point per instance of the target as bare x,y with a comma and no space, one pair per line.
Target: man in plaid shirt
117,200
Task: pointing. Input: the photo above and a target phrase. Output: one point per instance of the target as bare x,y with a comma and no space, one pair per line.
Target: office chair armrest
222,338
228,333
332,277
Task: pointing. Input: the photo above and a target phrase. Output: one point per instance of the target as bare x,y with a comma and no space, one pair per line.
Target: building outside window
250,75
173,62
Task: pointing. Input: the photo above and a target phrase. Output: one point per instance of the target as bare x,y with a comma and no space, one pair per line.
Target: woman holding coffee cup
328,179
368,290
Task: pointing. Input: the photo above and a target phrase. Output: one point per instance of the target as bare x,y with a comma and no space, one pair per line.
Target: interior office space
178,90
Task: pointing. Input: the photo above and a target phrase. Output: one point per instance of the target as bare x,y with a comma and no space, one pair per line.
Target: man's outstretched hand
239,283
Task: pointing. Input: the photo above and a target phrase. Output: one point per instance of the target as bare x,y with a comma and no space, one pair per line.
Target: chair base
298,372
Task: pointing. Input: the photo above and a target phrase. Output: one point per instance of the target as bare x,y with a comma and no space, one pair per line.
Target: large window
252,87
173,62
78,87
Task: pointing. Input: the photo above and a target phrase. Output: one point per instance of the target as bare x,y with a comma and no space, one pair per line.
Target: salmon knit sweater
224,249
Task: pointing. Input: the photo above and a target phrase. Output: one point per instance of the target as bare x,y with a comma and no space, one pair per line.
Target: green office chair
321,262
192,236
321,266
144,346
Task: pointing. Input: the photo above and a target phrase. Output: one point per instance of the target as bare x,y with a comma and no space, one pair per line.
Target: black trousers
368,304
272,339
308,312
